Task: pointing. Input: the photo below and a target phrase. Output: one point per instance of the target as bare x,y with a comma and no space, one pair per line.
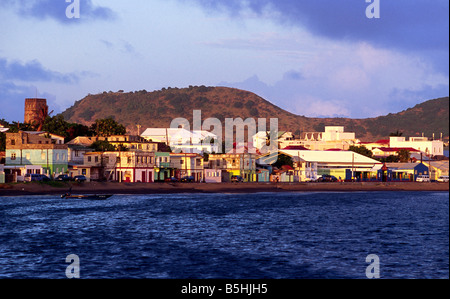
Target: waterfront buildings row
152,157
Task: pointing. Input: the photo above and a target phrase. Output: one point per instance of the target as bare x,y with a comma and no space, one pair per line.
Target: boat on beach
89,197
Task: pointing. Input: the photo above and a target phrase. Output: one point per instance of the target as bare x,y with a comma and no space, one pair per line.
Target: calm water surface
292,236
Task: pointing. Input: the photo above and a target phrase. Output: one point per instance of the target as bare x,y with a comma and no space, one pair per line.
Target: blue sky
314,58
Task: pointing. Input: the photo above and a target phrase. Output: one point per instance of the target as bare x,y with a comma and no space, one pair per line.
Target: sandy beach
34,188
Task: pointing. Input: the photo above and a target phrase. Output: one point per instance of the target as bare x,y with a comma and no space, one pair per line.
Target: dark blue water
296,235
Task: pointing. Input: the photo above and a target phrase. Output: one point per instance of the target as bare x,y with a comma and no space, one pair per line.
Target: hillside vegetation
159,108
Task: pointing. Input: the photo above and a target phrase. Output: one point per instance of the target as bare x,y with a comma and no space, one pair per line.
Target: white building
182,140
429,147
337,163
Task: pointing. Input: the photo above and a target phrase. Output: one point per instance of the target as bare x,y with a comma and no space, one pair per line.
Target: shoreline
24,189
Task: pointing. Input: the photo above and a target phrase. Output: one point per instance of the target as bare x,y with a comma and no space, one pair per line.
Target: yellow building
243,165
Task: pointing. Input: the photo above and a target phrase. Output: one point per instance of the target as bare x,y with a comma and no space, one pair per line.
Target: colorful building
37,148
188,165
234,164
164,169
402,172
131,167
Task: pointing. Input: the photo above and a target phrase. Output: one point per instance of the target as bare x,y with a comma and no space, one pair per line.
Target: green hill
159,108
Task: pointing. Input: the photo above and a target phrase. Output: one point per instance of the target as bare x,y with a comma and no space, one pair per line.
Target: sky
321,58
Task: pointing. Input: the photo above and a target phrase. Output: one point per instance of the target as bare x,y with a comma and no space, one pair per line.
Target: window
13,156
89,159
13,142
129,160
43,156
96,159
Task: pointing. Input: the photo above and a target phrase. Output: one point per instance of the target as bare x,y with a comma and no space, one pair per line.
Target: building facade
188,165
24,148
423,144
243,165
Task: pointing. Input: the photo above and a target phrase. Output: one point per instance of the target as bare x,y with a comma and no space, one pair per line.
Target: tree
103,146
107,127
76,130
361,150
283,160
404,155
398,133
389,159
56,125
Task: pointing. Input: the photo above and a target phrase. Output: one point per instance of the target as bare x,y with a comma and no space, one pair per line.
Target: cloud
356,81
56,10
12,100
418,26
405,23
33,71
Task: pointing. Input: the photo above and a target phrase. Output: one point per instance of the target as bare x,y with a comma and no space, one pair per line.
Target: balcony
164,165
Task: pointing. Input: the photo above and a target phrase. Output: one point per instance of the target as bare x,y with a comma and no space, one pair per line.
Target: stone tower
36,110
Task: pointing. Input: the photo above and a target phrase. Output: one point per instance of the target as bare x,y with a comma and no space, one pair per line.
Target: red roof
383,141
296,148
396,149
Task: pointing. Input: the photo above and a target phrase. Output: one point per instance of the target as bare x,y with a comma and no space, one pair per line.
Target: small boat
89,197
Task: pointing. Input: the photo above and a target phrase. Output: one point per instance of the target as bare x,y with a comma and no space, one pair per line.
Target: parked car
79,178
188,179
443,179
31,177
423,178
237,179
171,179
327,178
63,177
44,178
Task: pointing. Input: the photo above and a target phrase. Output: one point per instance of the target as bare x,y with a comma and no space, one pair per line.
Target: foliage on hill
159,108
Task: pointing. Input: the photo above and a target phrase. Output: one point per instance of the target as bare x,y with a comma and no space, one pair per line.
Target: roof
402,165
177,133
442,165
82,140
343,157
43,133
396,149
296,147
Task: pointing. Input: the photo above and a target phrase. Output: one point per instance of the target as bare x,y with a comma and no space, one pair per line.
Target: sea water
227,236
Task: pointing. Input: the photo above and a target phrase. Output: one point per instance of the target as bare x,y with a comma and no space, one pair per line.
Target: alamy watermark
234,129
73,9
373,270
373,10
73,270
